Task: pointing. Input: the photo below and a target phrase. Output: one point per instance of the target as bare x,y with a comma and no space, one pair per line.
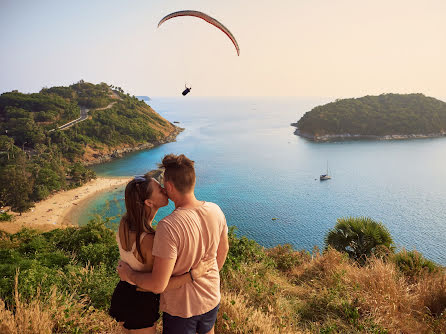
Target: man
194,231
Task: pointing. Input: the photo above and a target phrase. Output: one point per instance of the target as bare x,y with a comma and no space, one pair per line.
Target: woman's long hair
136,219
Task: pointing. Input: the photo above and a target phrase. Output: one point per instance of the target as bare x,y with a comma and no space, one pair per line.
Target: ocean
250,163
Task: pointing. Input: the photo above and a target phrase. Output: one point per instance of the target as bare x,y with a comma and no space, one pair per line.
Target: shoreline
57,210
348,136
61,209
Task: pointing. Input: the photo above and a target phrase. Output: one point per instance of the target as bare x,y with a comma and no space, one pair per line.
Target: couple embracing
176,269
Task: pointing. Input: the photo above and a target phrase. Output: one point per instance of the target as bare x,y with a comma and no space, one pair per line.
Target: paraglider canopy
206,18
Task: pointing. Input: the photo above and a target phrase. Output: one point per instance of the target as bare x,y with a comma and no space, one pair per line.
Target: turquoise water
250,163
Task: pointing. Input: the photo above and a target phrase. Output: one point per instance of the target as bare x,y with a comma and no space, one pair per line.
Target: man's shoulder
215,208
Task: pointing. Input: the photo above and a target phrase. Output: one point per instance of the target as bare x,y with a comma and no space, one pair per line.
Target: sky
317,48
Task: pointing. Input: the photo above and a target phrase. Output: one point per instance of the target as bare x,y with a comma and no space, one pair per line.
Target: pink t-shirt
189,236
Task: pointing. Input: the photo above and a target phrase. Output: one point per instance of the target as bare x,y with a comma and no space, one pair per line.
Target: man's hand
203,267
124,271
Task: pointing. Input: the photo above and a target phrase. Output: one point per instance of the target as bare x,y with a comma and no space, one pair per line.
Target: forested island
48,138
387,116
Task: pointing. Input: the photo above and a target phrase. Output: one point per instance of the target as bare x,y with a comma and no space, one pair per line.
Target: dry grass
55,313
385,296
397,304
323,293
14,227
236,316
329,293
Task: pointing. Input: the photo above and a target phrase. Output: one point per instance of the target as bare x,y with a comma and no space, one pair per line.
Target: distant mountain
144,98
387,116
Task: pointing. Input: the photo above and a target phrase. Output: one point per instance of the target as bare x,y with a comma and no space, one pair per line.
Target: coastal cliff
93,157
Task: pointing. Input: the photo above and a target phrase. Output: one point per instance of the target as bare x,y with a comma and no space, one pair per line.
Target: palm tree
6,143
359,237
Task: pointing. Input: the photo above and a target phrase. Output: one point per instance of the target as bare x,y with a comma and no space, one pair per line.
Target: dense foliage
36,158
59,258
386,114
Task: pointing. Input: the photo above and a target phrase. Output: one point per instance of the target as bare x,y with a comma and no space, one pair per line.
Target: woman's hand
123,270
202,268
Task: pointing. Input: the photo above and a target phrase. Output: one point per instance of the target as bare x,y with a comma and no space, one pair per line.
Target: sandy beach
54,212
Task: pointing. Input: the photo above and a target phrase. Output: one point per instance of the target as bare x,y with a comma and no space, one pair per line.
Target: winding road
84,114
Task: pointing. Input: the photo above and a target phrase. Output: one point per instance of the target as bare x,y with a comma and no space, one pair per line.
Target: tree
16,186
80,174
359,237
6,144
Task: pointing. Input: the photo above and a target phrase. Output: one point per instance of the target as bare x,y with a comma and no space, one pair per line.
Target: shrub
96,284
100,253
4,217
413,264
55,258
359,237
74,239
242,250
285,257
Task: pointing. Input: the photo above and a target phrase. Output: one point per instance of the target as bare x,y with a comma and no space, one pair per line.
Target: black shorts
137,309
201,324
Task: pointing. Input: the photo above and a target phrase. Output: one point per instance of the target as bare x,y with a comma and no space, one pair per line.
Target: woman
135,309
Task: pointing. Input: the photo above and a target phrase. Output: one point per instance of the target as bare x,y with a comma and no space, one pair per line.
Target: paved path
83,117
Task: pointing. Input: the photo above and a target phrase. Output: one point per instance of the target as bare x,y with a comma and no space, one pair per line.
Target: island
387,116
48,139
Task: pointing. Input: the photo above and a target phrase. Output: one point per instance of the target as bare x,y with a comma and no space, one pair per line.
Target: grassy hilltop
403,115
37,158
61,282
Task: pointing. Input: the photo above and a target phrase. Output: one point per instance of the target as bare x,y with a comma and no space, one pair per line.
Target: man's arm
222,250
156,281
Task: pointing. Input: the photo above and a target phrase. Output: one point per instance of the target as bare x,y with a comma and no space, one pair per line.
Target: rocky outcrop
100,156
348,136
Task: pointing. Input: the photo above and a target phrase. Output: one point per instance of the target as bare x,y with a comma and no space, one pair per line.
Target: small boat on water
326,176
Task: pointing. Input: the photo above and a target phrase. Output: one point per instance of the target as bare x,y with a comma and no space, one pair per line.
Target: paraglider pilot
186,91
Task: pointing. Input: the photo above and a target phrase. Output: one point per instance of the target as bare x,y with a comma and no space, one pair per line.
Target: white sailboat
324,177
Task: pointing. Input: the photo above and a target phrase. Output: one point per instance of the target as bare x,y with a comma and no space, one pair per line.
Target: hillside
37,157
387,116
62,281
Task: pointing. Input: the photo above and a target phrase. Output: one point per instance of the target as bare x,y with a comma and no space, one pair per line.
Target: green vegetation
37,159
386,114
360,238
66,278
413,264
59,259
4,217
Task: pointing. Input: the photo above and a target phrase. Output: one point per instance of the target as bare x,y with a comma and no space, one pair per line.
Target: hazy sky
288,47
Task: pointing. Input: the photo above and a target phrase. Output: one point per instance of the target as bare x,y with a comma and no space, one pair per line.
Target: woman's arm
202,268
178,281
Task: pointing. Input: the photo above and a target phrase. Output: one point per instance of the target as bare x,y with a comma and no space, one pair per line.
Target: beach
55,211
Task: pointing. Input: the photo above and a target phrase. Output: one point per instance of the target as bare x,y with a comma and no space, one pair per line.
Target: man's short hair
179,170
